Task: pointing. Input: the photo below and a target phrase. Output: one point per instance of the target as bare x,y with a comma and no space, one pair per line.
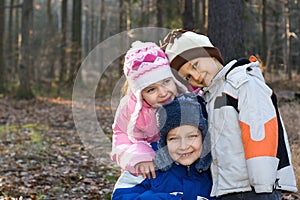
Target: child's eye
172,139
195,64
149,90
187,77
194,136
166,81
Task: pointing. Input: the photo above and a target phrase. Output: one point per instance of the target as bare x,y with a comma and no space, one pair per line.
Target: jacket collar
208,92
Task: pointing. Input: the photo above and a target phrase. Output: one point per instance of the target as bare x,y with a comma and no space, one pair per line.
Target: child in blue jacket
183,156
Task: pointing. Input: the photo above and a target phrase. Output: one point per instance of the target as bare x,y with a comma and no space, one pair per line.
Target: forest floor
43,157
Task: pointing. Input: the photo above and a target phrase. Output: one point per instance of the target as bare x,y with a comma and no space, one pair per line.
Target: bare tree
188,18
287,43
102,26
11,52
298,39
197,11
76,39
225,27
264,47
24,91
63,63
2,69
50,49
277,58
122,27
204,16
159,13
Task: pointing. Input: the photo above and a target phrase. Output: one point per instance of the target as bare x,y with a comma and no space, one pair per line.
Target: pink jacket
128,152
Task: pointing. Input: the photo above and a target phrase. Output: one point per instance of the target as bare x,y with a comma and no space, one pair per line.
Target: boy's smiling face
199,72
184,144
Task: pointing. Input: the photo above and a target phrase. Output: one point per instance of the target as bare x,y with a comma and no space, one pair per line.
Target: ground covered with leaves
42,156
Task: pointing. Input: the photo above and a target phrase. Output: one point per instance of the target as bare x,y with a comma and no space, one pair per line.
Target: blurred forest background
44,42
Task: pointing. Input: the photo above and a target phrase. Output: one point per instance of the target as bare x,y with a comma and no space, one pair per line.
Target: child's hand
147,169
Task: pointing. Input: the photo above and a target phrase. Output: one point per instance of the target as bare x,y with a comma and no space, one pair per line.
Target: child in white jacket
250,149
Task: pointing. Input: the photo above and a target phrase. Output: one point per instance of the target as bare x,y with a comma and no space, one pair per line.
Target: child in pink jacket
150,85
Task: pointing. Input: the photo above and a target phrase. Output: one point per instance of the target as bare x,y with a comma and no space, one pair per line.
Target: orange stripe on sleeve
265,147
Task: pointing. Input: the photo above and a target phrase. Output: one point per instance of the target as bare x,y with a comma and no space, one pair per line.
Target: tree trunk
277,60
264,47
88,29
24,90
225,27
188,19
11,54
287,46
16,43
122,26
50,56
159,13
204,16
93,39
298,40
128,16
76,40
197,15
102,26
2,68
63,63
121,16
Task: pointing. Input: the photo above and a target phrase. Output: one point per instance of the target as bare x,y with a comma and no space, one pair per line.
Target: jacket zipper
188,171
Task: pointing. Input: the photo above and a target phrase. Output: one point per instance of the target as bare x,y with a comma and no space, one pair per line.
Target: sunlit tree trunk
225,27
16,38
128,14
12,40
204,16
88,29
24,90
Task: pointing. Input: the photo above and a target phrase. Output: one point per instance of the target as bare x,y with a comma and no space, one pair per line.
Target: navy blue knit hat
186,109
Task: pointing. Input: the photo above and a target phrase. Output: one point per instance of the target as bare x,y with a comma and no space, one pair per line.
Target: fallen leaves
42,156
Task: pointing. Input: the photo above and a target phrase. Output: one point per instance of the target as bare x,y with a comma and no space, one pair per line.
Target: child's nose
196,76
184,144
163,90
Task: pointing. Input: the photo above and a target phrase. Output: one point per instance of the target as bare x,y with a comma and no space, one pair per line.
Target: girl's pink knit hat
145,64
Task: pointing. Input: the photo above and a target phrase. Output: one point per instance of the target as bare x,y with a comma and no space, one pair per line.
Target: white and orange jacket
250,147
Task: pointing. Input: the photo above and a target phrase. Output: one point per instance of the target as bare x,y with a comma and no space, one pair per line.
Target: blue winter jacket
178,183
